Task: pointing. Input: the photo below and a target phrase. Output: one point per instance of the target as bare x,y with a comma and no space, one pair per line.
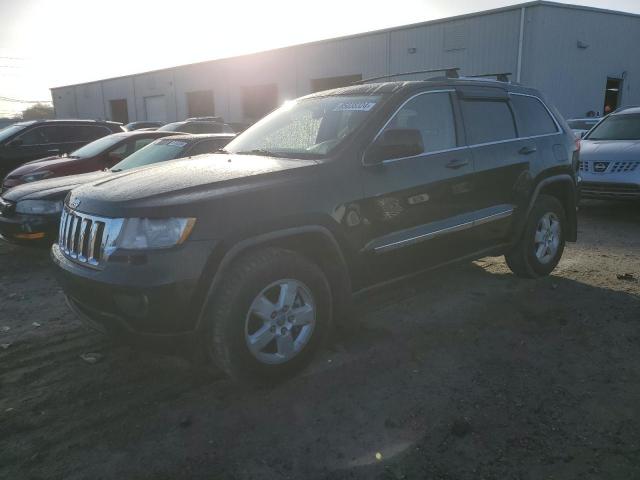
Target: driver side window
431,116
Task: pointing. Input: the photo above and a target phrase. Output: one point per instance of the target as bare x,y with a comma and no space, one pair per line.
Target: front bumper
610,190
36,230
148,297
622,183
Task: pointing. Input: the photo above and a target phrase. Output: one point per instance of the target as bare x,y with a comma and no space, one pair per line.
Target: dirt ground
465,373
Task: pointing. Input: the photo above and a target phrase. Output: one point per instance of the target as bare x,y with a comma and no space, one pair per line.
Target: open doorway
612,95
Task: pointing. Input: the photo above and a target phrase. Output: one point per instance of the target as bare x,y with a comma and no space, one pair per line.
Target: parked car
97,155
198,126
580,126
130,127
610,157
26,141
30,213
247,259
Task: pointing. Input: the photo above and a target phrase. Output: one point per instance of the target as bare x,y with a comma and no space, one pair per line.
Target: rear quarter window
488,121
533,117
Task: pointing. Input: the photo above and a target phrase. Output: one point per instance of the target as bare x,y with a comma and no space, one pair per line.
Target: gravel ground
465,373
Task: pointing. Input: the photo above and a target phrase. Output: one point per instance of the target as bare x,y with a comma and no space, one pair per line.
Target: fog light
132,305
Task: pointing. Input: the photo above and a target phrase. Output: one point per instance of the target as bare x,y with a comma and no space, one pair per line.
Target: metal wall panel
574,78
477,45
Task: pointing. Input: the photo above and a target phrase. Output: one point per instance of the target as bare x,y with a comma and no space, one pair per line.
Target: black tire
247,277
522,259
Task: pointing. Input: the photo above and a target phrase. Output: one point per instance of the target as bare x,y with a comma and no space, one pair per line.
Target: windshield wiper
259,151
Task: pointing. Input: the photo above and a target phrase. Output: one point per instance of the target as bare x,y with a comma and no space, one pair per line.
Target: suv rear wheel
539,250
272,312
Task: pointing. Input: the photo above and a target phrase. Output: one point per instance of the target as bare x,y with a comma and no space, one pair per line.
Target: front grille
7,208
584,166
623,167
87,239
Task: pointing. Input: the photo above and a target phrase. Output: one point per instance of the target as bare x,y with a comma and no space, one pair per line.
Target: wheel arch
563,188
315,242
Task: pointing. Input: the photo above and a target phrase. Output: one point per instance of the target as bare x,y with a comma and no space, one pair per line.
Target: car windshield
617,127
582,124
172,127
158,151
9,131
96,147
308,128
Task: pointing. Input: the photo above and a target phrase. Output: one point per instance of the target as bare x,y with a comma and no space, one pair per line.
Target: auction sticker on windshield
354,107
177,143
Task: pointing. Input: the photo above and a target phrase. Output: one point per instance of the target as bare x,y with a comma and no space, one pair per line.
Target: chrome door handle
456,164
527,150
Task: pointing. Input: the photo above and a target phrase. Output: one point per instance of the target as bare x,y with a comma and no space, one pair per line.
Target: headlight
38,207
33,177
148,233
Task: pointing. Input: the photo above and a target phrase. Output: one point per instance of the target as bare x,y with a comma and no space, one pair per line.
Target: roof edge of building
463,16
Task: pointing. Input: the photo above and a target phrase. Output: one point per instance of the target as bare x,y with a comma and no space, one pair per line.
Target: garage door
156,108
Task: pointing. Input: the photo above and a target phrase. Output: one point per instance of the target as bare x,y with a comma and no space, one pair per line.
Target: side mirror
396,143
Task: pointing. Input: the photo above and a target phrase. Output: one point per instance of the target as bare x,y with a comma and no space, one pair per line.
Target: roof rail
451,72
501,77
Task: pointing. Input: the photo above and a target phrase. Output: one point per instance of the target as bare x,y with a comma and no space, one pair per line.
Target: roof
518,6
67,120
198,136
631,109
394,86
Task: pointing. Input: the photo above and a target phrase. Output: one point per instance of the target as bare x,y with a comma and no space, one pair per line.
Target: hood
51,188
183,181
47,163
610,150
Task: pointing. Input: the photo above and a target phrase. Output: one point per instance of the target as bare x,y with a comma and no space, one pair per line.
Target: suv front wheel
539,250
270,315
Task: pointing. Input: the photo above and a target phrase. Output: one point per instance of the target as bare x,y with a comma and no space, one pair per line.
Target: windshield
172,127
308,128
97,147
9,131
617,127
158,151
582,124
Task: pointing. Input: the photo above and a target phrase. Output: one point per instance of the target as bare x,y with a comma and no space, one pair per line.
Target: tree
38,111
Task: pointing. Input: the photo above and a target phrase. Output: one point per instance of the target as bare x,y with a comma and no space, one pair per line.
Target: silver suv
610,157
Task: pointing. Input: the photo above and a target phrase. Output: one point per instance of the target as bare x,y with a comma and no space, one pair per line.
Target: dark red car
97,155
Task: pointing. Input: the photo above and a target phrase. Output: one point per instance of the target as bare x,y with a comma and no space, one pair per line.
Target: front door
414,205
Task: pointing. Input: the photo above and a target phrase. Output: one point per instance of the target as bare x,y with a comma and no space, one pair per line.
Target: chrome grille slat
87,239
91,251
84,224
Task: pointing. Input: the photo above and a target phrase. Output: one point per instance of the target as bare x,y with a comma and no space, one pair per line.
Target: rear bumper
35,230
154,301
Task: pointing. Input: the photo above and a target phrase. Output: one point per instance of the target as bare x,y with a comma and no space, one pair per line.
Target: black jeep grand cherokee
248,256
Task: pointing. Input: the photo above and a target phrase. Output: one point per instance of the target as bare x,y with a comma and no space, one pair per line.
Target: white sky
47,43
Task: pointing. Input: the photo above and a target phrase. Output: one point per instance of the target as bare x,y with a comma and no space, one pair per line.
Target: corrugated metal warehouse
582,58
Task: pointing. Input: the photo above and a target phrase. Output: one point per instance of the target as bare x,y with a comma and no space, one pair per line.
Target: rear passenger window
533,117
432,115
488,121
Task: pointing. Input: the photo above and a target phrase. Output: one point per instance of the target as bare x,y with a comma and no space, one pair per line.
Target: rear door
414,205
501,161
37,142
